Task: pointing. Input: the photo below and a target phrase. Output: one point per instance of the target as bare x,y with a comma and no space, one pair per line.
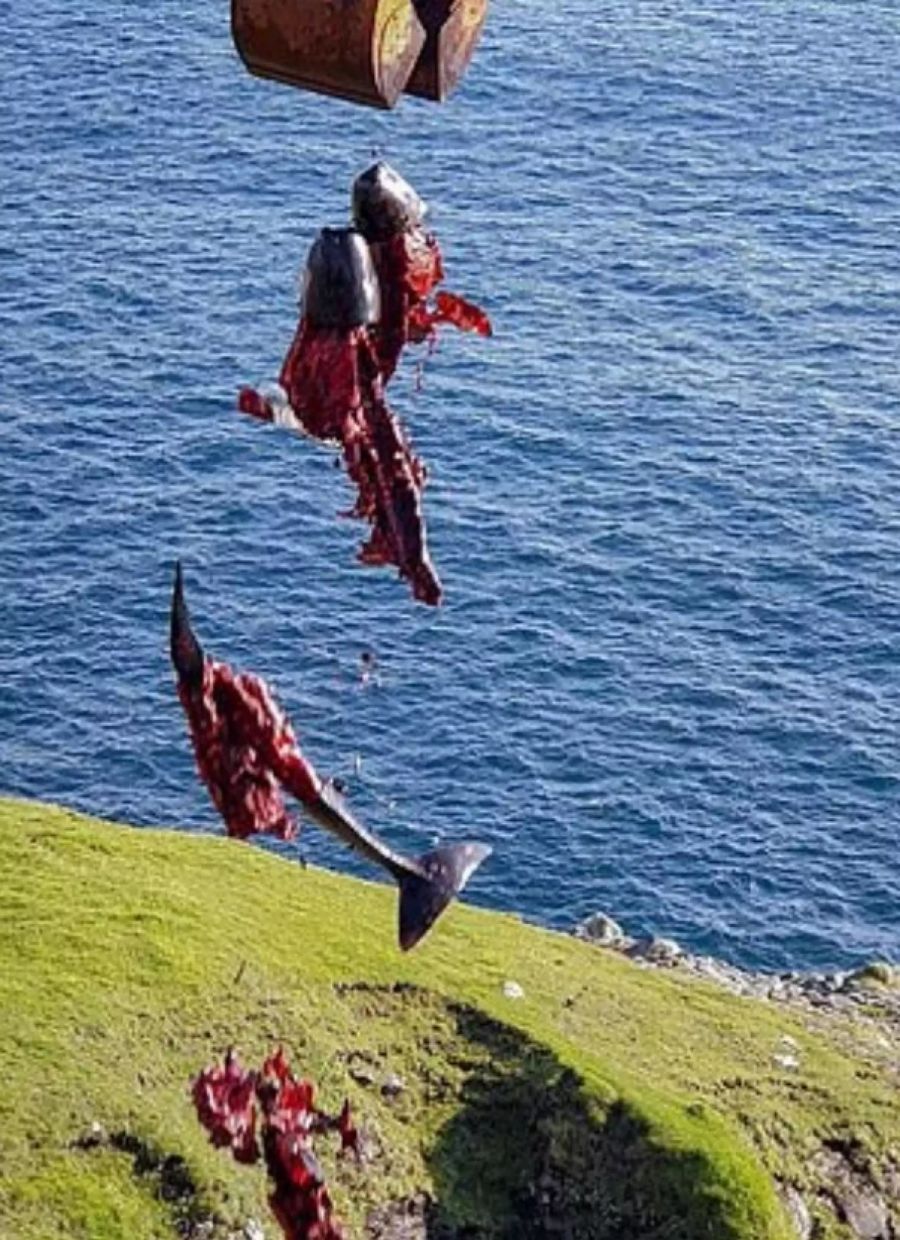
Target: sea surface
664,499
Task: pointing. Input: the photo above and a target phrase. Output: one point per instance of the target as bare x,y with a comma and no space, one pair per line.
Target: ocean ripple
664,498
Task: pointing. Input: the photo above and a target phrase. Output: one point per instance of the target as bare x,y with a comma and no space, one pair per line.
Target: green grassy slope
632,1104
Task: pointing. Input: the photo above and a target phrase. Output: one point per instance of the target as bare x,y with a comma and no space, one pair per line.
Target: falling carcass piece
331,387
248,757
369,291
391,216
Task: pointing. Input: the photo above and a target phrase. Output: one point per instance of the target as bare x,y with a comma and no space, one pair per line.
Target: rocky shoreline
858,1008
872,991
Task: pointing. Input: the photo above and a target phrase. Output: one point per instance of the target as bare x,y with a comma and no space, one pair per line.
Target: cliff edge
509,1082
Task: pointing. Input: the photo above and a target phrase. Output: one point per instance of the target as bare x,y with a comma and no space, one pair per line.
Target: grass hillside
608,1102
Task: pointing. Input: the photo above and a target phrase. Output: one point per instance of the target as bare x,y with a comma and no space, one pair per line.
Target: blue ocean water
665,499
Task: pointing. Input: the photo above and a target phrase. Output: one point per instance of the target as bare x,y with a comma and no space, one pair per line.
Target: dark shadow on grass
530,1156
526,1152
165,1176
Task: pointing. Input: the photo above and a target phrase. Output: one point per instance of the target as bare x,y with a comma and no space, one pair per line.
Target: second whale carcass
248,756
368,291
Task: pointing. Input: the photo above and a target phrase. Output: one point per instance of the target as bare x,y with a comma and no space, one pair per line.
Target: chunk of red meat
410,267
389,479
246,751
225,1098
230,1103
451,308
327,375
334,386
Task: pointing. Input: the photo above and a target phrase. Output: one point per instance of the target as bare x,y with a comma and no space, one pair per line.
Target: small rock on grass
512,990
798,1211
787,1054
393,1086
856,1199
406,1219
865,1212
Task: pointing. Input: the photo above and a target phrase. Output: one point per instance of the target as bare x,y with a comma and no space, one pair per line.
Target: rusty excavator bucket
452,31
366,51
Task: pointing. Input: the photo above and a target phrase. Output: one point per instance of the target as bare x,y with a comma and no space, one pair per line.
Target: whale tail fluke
187,653
425,895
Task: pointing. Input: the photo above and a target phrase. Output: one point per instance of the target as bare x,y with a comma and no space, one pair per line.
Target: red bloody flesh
410,267
335,389
225,1099
334,379
246,752
328,373
451,308
390,480
232,1103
